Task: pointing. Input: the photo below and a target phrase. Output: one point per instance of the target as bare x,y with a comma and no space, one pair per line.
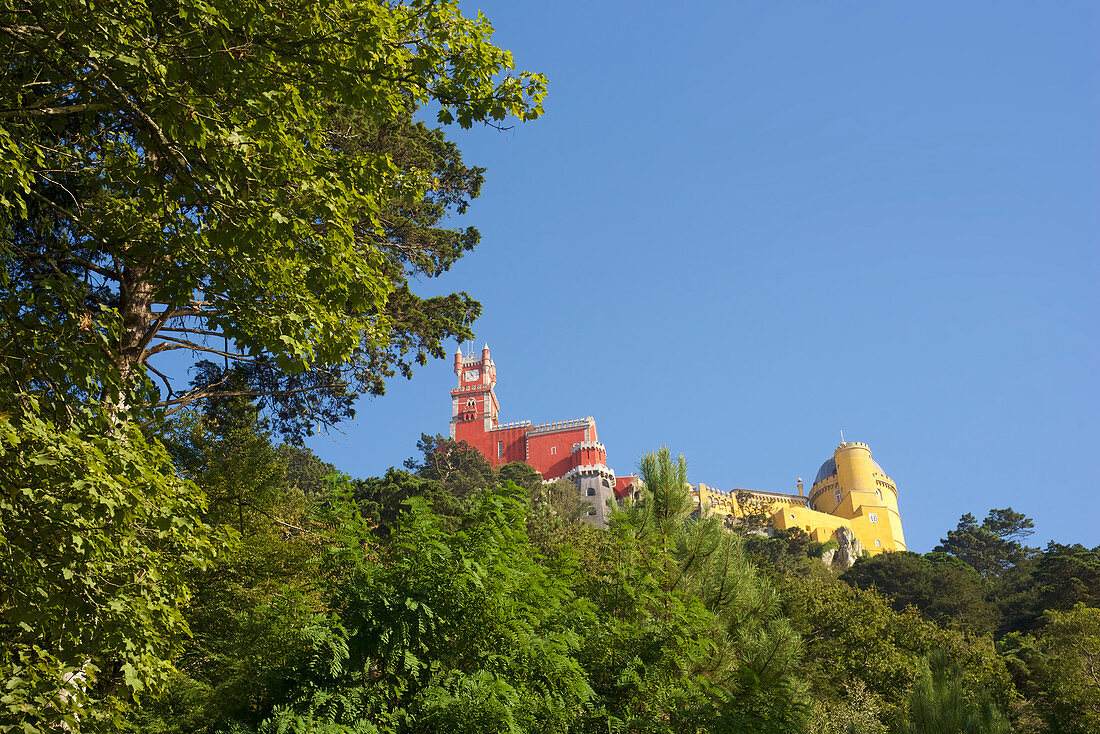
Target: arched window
471,403
591,491
606,483
836,496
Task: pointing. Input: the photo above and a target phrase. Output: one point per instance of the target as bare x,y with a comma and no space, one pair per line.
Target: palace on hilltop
851,498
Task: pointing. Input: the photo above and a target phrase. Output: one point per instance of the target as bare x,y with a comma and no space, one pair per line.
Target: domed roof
827,470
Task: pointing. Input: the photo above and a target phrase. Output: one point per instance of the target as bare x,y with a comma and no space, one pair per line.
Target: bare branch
185,344
162,376
89,265
182,330
186,312
64,110
205,393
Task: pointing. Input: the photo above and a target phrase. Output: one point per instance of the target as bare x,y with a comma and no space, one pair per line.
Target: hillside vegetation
451,597
214,219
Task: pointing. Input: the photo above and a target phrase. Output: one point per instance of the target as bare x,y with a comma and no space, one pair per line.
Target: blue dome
828,469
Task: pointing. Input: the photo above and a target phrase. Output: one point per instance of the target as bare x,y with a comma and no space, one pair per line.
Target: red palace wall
550,452
514,447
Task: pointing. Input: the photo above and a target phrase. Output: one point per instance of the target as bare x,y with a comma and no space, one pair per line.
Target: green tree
442,628
857,646
688,636
226,449
1057,668
786,551
457,465
238,179
253,609
942,587
97,538
523,475
755,518
233,178
304,470
939,703
992,547
1067,575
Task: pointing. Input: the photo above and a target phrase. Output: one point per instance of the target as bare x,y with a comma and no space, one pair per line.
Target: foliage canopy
242,179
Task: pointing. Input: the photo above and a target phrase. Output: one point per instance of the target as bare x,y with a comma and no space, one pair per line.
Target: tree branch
206,393
162,376
64,110
180,329
185,344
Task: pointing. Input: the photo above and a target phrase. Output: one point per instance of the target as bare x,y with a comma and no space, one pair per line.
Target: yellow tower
852,485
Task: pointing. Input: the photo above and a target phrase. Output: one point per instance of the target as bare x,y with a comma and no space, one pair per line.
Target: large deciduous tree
237,178
243,179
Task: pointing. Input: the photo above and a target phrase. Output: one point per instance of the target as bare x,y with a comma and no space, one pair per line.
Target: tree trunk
136,309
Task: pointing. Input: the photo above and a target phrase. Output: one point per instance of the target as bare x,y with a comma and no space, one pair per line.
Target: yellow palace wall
851,491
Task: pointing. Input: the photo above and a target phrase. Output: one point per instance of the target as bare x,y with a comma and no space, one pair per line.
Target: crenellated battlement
590,470
562,425
588,445
513,424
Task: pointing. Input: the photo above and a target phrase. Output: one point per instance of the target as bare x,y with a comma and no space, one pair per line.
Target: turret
458,363
588,453
853,486
595,482
488,371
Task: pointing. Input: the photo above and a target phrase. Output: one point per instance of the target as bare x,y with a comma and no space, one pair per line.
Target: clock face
472,375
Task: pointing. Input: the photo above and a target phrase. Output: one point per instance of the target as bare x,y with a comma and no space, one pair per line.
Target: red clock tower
474,401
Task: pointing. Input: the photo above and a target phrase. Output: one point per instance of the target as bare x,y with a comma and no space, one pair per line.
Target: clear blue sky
743,227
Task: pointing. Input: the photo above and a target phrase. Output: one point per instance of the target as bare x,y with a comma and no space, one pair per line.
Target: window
591,491
553,450
879,493
471,403
873,517
836,496
591,512
500,449
606,483
878,543
792,515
